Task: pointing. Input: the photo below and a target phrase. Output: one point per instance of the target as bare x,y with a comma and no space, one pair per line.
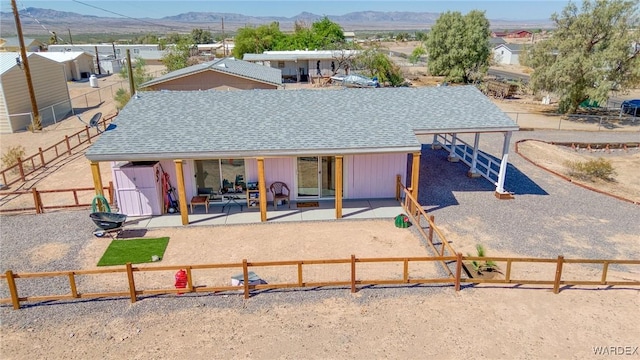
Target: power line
128,17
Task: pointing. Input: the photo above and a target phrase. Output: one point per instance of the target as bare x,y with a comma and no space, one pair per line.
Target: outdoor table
200,200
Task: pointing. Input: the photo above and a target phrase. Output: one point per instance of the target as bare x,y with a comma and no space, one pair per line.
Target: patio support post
97,178
500,192
452,154
435,145
262,190
182,195
473,172
415,175
338,187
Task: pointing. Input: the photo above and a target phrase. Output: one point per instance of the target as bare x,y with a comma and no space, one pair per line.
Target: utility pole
37,124
70,38
97,60
132,87
224,46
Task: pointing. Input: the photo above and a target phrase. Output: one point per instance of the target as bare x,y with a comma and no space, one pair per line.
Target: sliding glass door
316,177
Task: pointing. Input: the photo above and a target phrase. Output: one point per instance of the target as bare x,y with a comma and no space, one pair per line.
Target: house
349,36
495,41
50,88
77,64
508,53
150,53
519,34
220,74
325,144
300,65
13,45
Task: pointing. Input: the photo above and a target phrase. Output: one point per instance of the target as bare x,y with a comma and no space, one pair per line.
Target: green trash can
402,221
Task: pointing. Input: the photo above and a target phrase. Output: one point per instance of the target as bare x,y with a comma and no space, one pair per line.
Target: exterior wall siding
280,169
211,80
374,175
5,125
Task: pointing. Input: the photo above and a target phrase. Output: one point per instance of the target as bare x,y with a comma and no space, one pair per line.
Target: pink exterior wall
373,175
138,190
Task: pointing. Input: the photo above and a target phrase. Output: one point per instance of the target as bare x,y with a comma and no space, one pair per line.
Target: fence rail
29,165
403,278
39,205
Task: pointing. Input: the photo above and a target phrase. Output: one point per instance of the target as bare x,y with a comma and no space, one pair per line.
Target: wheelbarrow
107,222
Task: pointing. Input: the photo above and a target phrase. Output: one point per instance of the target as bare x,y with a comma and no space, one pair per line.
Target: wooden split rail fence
27,166
350,280
39,205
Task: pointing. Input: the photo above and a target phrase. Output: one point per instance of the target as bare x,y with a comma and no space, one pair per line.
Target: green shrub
480,266
588,170
122,98
11,157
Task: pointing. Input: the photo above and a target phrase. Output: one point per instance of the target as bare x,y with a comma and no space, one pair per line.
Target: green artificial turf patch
135,251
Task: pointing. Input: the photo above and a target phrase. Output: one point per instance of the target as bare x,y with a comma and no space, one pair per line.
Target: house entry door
316,177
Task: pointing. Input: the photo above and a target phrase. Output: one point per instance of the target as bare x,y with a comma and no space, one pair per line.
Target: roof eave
465,130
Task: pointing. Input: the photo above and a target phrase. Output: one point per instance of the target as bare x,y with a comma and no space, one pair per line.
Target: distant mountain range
34,19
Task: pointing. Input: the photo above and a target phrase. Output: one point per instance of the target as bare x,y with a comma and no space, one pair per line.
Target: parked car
631,107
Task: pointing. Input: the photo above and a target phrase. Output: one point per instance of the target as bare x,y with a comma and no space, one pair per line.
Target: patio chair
280,191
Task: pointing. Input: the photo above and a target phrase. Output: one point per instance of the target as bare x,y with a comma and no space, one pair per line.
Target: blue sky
507,10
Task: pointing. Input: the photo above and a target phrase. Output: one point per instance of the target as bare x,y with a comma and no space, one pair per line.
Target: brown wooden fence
350,279
74,199
29,165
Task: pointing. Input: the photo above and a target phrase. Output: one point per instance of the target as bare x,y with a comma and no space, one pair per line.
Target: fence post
353,274
21,169
41,157
88,134
189,280
132,284
405,271
40,203
245,275
556,282
15,300
66,140
72,283
605,268
300,283
432,220
36,199
398,179
458,270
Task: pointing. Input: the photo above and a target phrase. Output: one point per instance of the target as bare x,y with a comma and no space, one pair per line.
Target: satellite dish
94,122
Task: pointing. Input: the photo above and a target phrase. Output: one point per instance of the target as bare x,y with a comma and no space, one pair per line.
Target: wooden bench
200,200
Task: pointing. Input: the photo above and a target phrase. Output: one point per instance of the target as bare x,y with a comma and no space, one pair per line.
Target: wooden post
36,200
405,272
605,268
338,187
189,280
75,197
300,274
432,220
13,290
72,283
458,270
262,190
97,177
415,177
507,275
245,276
42,164
66,140
556,282
353,274
182,195
21,169
132,284
398,180
110,191
88,134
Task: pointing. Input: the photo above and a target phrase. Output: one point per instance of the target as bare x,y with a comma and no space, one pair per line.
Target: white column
503,163
435,145
452,153
473,172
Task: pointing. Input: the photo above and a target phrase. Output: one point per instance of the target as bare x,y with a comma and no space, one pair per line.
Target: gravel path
462,205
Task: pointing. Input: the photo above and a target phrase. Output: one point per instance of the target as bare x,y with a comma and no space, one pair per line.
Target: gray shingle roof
213,124
226,65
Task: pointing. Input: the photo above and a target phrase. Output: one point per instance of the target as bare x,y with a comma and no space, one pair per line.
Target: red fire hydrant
181,280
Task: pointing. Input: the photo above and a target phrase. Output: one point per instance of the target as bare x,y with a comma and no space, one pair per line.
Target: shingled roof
225,65
220,124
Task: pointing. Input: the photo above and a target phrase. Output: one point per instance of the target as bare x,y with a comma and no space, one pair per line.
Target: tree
256,40
458,46
416,53
177,57
590,53
199,36
140,76
375,62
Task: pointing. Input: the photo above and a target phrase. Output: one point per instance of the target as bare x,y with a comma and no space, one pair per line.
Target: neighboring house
220,74
519,34
508,53
151,53
13,45
349,36
495,41
50,88
309,139
300,65
77,64
499,34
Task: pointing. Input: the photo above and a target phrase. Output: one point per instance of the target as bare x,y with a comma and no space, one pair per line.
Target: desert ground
478,322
